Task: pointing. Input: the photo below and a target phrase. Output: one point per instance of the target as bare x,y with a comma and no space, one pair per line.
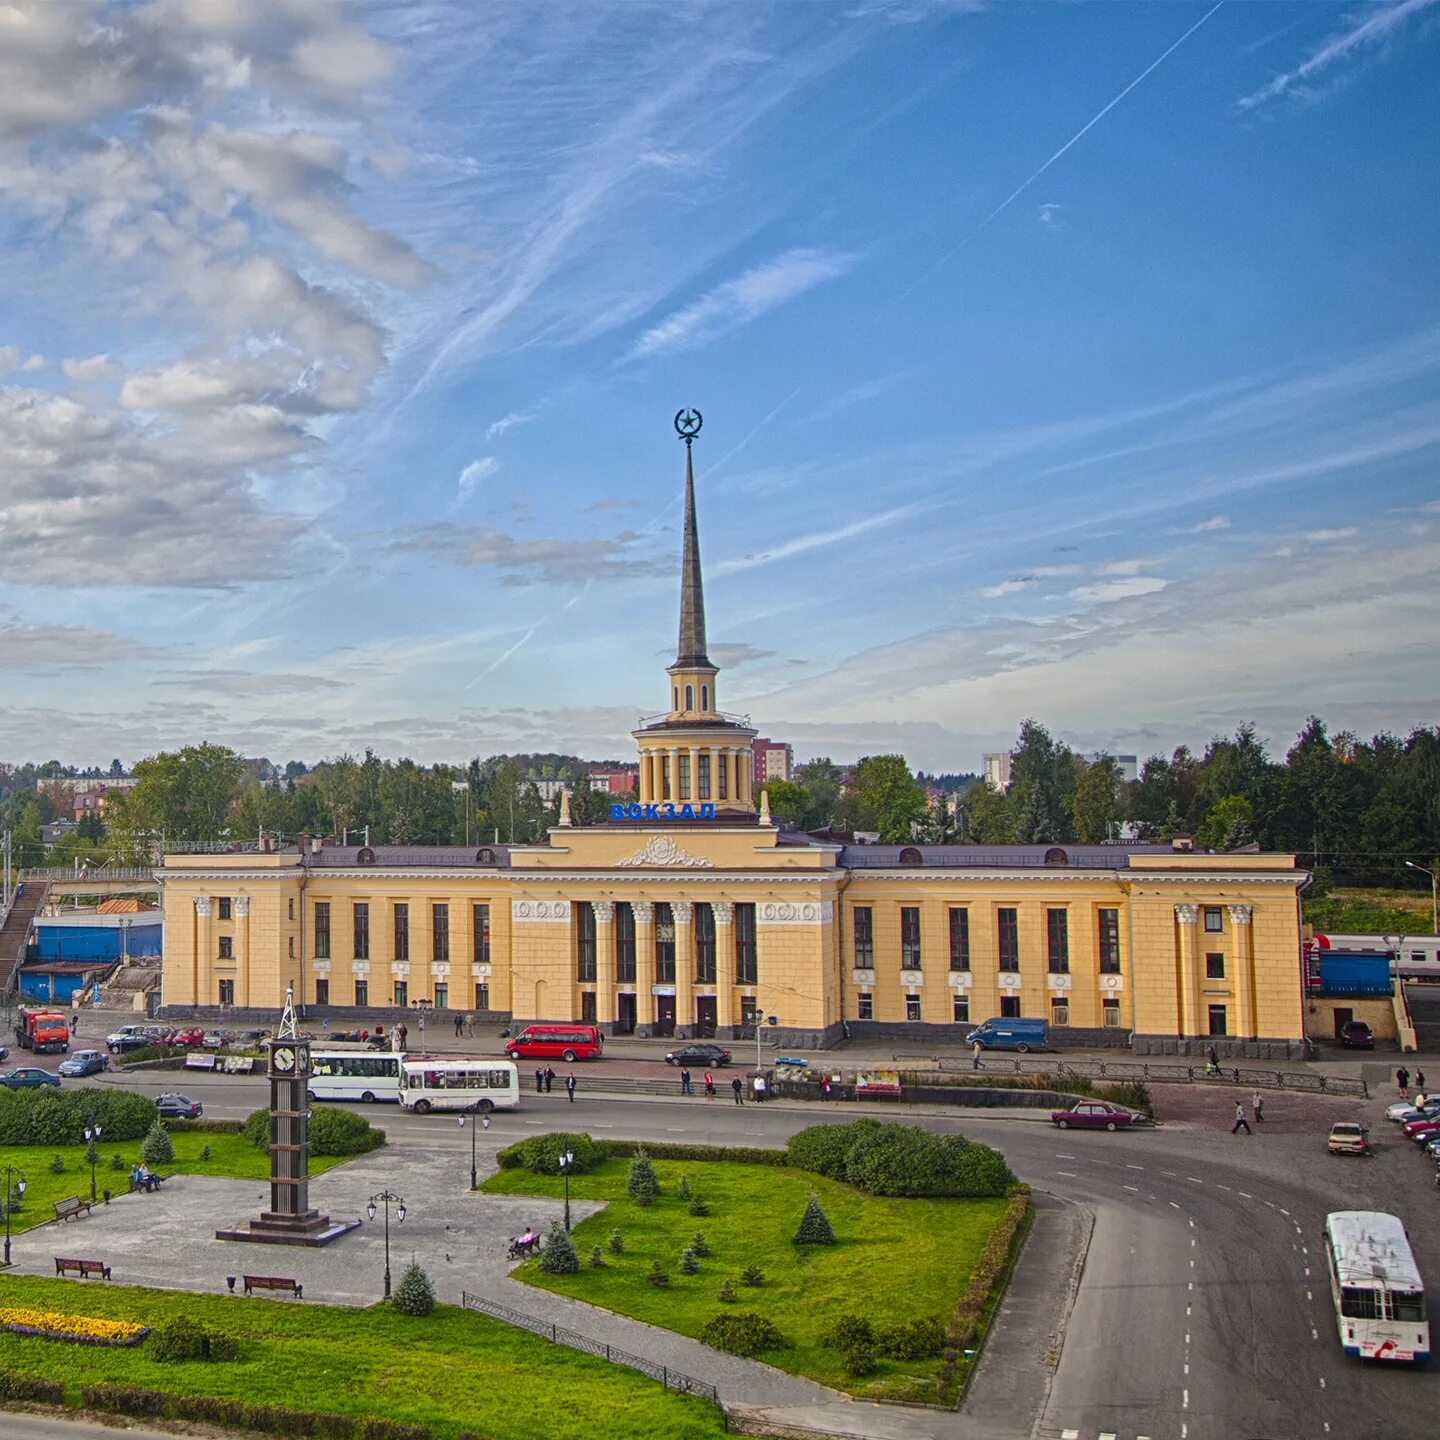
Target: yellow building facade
692,912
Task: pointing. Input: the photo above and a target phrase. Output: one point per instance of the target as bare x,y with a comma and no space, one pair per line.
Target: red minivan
557,1042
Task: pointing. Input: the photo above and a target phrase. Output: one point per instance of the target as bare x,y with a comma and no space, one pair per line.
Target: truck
42,1030
1010,1034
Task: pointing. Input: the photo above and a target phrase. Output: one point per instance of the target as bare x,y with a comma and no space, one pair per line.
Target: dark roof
1010,857
342,857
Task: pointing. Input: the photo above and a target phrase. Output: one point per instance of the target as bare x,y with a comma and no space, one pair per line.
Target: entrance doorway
664,1014
625,1014
704,1017
1343,1016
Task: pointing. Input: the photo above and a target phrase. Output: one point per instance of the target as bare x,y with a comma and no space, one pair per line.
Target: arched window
1056,856
485,856
911,856
705,697
675,703
364,856
689,697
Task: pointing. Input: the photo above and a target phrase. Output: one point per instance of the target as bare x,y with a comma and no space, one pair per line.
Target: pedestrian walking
685,1083
738,1090
570,1086
709,1086
1420,1081
75,1023
824,1087
1241,1123
1402,1080
549,1078
1212,1057
469,1023
457,1023
403,1031
758,1086
539,1082
1257,1103
976,1051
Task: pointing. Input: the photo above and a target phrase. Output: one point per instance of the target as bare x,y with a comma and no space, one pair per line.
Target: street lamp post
485,1121
566,1161
14,1185
387,1198
1434,896
92,1153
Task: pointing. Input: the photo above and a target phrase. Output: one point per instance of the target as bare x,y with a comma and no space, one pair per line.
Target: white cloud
497,428
474,475
1325,537
93,367
1207,527
742,300
1009,587
1049,216
1103,592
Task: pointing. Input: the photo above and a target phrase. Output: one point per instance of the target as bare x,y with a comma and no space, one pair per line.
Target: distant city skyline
1075,362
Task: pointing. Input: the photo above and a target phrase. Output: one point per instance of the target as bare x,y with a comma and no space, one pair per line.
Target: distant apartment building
998,772
549,789
92,796
774,760
614,781
1127,765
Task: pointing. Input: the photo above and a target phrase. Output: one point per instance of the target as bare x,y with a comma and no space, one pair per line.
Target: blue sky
1068,360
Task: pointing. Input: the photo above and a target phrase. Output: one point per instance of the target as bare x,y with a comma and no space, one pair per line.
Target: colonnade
728,775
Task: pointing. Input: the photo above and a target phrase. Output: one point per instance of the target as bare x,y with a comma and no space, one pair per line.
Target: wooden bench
274,1282
82,1268
69,1209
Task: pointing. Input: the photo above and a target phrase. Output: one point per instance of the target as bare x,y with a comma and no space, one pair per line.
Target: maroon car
1093,1115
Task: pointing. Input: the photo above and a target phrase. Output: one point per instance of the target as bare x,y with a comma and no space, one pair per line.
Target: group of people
464,1024
758,1085
545,1082
143,1178
1402,1082
1257,1102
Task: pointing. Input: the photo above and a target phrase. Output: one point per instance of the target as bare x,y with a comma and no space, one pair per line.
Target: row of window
1219,1015
400,997
746,955
1057,938
400,933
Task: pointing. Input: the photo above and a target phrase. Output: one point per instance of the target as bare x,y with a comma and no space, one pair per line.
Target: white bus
482,1085
1376,1285
355,1075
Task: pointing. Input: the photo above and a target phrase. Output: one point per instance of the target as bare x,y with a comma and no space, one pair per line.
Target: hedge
208,1127
47,1116
885,1158
332,1131
513,1157
31,1387
1130,1093
147,1053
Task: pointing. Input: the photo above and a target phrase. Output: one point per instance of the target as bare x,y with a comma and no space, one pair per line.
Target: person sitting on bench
143,1178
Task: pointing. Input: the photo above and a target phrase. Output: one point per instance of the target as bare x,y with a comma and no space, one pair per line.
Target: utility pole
1434,896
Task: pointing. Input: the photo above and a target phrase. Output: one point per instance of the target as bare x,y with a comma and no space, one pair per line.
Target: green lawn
453,1371
232,1156
896,1260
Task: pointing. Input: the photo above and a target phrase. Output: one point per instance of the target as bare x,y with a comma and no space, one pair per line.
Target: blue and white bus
355,1075
478,1084
1376,1286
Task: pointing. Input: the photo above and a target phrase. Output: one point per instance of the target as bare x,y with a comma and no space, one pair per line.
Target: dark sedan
28,1077
698,1055
179,1107
1093,1115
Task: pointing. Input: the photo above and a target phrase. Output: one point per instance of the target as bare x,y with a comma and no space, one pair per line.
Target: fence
560,1335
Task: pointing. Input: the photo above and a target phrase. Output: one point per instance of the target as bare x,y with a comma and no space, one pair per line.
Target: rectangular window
1215,965
227,992
910,937
322,929
482,934
292,907
362,930
227,947
912,1007
864,937
1109,942
704,944
865,1006
322,992
723,774
625,943
482,995
684,761
1219,1025
292,947
440,935
747,963
585,941
1060,1010
362,992
1110,1013
1010,1007
587,1007
402,994
1009,923
664,944
703,769
1057,934
960,1008
227,908
442,997
1214,920
402,931
959,939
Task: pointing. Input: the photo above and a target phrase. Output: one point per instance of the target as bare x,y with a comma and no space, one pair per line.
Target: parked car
698,1055
213,1039
119,1044
83,1062
1403,1110
179,1107
1356,1035
1349,1137
28,1077
1419,1130
557,1042
192,1036
1093,1115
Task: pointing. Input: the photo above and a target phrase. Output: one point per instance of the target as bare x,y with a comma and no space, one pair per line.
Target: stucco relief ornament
662,850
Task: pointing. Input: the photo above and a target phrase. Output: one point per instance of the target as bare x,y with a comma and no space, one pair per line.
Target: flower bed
76,1329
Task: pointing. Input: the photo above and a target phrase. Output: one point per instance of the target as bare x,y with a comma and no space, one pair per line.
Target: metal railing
62,876
675,1380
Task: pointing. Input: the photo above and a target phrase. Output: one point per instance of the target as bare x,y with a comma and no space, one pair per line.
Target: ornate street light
92,1152
566,1161
386,1198
14,1185
485,1121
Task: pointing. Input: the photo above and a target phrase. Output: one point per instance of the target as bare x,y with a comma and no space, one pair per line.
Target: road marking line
1192,1224
1193,1242
1107,1435
1069,1435
1134,1167
1224,1187
1191,1285
1184,1399
1184,1430
1304,1250
1309,1295
1059,1156
1284,1212
1068,1174
1187,1337
1326,1424
1170,1173
1307,1272
1322,1382
1187,1367
1193,1180
1187,1312
1245,1195
1270,1203
1133,1189
1173,1205
1314,1333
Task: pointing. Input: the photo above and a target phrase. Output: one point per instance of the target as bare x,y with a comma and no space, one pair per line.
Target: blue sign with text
662,811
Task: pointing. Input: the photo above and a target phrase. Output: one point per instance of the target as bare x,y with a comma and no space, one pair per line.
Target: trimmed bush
662,1150
744,1333
917,1339
559,1257
540,1155
689,1262
145,1053
414,1295
752,1275
815,1227
644,1184
859,1362
823,1149
117,1161
893,1159
657,1274
184,1338
848,1333
31,1387
206,1153
332,1131
158,1148
58,1117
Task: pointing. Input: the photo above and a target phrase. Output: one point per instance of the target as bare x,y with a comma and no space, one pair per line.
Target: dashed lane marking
1224,1187
1185,1399
1133,1189
1069,1435
1194,1180
1171,1174
1309,1295
1244,1194
1134,1167
1068,1174
1173,1205
1314,1333
1059,1156
1322,1382
1284,1212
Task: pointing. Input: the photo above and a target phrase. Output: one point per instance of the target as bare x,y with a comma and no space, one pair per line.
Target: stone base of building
311,1230
913,1033
341,1017
1227,1047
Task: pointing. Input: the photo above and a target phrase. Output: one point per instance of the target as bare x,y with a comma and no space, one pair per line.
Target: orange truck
41,1029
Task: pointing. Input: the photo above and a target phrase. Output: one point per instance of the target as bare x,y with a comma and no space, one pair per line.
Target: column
745,775
724,966
644,911
242,950
1188,1020
204,967
605,1011
1246,1019
684,912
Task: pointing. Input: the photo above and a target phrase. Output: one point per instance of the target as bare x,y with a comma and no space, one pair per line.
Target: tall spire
692,590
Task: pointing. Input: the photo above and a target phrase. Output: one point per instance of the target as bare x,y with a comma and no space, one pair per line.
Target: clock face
283,1057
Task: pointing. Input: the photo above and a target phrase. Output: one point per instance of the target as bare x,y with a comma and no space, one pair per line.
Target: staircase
1424,1003
15,933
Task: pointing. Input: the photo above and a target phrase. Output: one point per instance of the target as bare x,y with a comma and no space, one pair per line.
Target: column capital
682,911
1187,914
644,911
604,911
723,910
204,905
1240,914
242,907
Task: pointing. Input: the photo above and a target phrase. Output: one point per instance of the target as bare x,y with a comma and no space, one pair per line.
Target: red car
1421,1130
1093,1115
189,1037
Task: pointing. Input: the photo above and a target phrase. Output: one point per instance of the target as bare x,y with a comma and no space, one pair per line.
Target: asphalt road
1204,1311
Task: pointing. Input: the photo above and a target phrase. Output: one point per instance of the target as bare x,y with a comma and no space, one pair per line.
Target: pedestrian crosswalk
1072,1434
